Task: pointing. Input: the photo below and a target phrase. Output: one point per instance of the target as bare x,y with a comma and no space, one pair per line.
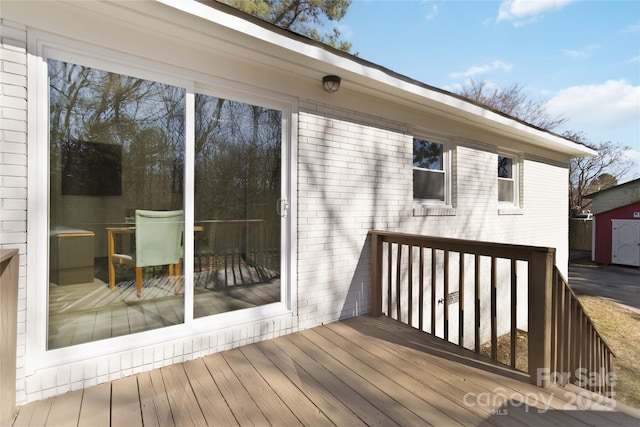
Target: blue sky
582,57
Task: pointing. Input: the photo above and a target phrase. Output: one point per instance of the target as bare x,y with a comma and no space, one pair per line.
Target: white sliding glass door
133,164
237,190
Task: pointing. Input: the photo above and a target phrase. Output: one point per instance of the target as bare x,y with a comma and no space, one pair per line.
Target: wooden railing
415,279
577,350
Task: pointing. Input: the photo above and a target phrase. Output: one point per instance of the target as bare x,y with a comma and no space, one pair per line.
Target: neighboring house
616,227
176,105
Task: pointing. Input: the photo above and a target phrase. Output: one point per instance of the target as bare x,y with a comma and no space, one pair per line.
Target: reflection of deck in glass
88,312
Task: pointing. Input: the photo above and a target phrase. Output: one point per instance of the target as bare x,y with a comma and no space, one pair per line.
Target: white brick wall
13,166
355,175
352,174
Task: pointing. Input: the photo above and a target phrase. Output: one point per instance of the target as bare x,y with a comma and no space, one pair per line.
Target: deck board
244,409
182,400
333,380
303,408
211,401
154,402
65,409
95,410
272,407
126,397
357,372
327,404
33,414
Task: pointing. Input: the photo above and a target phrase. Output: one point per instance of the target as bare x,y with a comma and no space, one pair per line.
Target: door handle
282,206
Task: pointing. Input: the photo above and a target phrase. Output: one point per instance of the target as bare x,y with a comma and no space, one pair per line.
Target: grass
620,328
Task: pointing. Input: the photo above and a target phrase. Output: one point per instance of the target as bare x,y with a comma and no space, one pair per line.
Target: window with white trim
508,182
430,172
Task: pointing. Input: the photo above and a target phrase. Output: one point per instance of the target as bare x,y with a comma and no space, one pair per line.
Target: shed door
626,242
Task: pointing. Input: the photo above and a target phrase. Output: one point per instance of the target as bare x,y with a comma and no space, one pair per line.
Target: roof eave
322,59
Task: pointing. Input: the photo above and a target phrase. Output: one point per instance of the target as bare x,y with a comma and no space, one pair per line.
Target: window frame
516,168
446,170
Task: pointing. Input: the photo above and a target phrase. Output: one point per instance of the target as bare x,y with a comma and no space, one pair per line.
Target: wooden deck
361,371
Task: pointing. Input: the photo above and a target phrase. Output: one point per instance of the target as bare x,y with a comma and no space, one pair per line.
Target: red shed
616,229
617,235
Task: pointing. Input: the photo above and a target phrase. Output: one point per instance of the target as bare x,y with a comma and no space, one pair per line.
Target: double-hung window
508,185
430,172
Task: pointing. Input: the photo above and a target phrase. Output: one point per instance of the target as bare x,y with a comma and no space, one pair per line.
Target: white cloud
584,53
632,29
346,32
635,59
614,103
632,156
525,11
431,8
481,69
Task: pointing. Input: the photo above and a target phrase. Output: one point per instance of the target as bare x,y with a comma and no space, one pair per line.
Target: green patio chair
158,242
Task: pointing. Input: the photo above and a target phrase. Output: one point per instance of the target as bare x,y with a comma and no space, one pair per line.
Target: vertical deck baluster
390,279
476,311
590,355
554,321
398,282
610,375
591,369
514,312
594,351
575,336
560,322
433,291
410,285
445,303
421,291
599,366
494,309
566,364
584,344
461,301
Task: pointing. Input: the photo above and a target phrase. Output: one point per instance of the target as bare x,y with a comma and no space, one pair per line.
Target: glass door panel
116,202
237,193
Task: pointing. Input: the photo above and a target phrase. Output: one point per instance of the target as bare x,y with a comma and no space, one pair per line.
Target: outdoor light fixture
331,83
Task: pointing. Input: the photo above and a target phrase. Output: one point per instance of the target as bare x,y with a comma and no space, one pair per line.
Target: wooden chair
158,237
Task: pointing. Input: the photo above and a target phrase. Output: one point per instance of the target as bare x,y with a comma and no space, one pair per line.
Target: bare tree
591,174
513,101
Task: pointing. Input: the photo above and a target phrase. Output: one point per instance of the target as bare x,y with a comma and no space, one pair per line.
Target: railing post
376,274
539,312
9,270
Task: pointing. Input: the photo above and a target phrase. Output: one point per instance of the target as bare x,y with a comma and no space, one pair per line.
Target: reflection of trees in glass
427,155
237,159
504,167
145,118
